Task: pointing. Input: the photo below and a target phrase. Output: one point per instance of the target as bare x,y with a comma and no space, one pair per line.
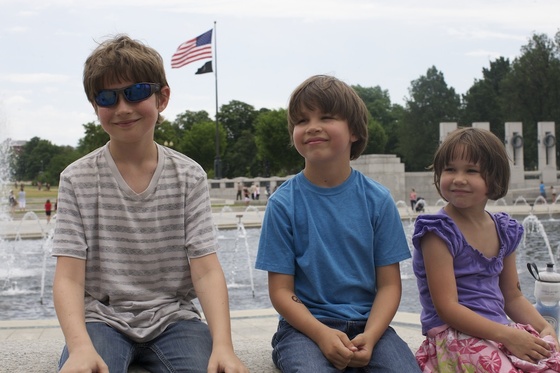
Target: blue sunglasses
134,93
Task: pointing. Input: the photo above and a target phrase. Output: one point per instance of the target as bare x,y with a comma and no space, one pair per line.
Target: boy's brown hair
122,59
329,95
478,146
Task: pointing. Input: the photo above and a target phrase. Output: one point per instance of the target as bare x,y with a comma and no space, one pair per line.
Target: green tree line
255,142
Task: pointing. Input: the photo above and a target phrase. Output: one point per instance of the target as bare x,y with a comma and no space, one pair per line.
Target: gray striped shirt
136,246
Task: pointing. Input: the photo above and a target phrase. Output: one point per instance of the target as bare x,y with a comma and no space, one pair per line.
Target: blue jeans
185,346
294,352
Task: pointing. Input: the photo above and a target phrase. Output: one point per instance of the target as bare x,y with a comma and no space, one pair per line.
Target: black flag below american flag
206,68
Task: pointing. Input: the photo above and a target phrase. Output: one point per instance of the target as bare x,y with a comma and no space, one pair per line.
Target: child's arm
334,344
443,289
68,296
210,286
517,307
385,305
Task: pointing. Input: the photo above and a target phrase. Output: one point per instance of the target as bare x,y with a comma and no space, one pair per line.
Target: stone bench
38,356
35,346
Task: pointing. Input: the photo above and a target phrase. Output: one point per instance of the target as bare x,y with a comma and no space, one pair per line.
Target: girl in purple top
464,262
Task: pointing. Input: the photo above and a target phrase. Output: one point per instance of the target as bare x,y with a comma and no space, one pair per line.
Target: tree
483,101
274,150
431,102
377,138
57,164
33,163
167,133
95,137
532,91
236,117
384,115
240,156
199,144
187,119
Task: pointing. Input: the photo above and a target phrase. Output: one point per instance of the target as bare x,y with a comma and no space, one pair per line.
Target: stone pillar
514,147
546,144
445,128
483,125
386,169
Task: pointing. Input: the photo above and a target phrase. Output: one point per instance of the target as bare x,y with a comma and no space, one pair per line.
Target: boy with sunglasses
134,236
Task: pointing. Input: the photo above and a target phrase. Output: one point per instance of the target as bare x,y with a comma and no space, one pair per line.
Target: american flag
192,50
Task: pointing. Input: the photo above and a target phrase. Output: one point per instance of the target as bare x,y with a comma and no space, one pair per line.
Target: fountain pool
22,266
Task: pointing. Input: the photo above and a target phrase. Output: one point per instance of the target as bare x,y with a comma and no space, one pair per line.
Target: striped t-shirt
136,246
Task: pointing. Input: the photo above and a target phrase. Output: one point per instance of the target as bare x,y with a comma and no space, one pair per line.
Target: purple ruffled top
477,276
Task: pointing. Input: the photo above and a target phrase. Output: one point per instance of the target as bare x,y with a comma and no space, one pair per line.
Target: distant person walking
12,201
246,196
257,192
553,193
48,210
253,191
239,195
542,190
413,197
21,198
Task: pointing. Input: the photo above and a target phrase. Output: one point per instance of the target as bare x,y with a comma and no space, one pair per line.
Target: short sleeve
439,224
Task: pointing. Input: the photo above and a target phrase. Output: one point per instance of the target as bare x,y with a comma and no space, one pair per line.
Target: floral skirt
446,350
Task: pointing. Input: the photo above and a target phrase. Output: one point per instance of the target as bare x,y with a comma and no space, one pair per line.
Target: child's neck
327,177
473,215
135,153
136,164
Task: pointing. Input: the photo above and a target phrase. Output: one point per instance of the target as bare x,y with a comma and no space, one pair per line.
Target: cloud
481,34
17,30
60,126
15,100
36,78
484,53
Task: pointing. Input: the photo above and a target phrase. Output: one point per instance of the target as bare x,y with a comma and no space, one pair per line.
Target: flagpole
217,160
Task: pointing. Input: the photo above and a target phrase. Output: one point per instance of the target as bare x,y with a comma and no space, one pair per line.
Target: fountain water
500,201
532,224
30,261
242,233
520,200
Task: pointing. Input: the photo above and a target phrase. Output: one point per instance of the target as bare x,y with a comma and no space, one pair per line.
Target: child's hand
549,330
336,347
225,360
526,346
85,360
363,354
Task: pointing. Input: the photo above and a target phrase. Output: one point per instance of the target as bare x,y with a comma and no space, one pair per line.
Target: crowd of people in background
18,203
249,193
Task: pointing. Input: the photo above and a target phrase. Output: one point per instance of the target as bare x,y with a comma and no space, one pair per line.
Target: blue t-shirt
477,276
331,240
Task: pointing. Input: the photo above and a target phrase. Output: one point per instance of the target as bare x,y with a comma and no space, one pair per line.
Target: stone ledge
41,356
35,346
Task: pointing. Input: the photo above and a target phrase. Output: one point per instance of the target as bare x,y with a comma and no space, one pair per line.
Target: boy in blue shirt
331,242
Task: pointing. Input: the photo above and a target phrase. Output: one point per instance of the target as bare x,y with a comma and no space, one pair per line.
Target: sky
263,49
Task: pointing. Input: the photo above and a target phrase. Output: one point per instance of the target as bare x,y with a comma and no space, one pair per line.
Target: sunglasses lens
134,93
138,92
106,98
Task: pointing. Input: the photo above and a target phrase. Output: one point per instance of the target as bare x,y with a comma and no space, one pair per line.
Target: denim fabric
184,346
295,352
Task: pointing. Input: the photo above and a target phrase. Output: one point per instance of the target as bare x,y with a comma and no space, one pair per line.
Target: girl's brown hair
331,96
478,146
